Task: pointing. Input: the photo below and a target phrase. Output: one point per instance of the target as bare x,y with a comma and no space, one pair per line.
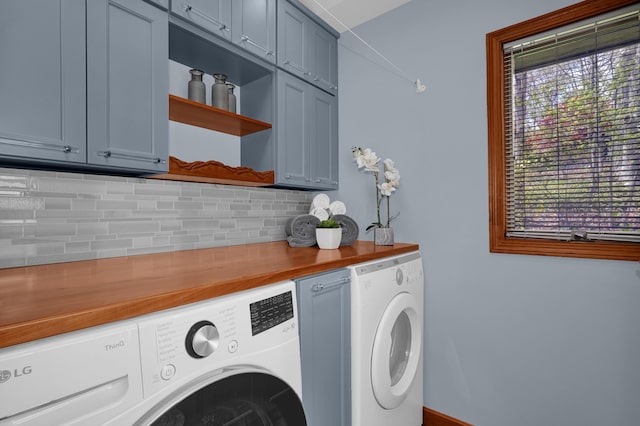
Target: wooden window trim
498,241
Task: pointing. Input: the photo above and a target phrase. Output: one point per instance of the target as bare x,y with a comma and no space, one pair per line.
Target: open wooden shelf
201,115
215,172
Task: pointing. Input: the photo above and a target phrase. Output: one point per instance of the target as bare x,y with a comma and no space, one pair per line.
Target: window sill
579,249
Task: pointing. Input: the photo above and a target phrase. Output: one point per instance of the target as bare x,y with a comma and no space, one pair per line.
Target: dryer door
247,399
396,351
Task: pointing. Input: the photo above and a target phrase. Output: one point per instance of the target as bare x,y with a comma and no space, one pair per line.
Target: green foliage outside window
575,154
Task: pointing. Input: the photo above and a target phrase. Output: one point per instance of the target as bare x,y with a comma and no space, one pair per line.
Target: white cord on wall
419,85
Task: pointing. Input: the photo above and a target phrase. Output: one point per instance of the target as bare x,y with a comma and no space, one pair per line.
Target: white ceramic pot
328,238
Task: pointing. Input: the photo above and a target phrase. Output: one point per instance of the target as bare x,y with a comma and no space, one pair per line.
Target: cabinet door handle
326,286
326,181
67,149
247,39
295,67
330,85
111,154
188,8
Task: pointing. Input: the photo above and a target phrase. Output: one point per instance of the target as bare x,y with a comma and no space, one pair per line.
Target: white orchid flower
391,173
389,165
393,177
368,159
386,189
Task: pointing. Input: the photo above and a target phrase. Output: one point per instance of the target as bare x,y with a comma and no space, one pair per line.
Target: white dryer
232,360
386,341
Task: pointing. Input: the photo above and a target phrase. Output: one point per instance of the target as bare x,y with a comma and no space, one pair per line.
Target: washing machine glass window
248,399
396,351
400,348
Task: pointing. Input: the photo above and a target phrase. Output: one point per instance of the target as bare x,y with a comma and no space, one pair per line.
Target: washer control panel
401,272
190,341
387,264
269,312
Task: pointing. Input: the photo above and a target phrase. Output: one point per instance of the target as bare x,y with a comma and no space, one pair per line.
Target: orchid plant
368,160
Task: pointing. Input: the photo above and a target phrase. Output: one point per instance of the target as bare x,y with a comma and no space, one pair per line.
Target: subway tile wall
49,217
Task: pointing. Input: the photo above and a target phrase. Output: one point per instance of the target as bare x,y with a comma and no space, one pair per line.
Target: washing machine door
246,399
396,351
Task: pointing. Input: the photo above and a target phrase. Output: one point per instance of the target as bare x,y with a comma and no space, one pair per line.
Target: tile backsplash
49,217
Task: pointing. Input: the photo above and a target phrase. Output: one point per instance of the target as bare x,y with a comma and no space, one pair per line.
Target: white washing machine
386,341
232,360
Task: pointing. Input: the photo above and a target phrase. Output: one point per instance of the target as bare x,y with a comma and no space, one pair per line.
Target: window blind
572,116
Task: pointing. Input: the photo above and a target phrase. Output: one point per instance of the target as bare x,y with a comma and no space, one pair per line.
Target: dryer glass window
250,399
400,347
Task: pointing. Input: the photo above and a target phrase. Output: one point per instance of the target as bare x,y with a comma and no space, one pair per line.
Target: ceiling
351,12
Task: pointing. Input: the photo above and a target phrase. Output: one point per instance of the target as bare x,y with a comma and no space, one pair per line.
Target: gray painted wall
510,340
48,217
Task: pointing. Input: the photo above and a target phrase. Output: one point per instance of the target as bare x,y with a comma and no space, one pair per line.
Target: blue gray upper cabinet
293,31
249,24
323,134
307,135
254,27
212,15
127,81
53,116
42,81
294,157
324,60
306,49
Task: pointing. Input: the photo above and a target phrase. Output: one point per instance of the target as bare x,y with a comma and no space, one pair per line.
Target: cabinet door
212,15
324,59
42,80
324,306
254,27
293,41
127,85
292,131
323,132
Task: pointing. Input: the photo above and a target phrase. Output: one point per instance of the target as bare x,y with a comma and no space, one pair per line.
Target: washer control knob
202,339
399,276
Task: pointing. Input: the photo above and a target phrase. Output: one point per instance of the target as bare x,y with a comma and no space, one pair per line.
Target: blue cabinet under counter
324,312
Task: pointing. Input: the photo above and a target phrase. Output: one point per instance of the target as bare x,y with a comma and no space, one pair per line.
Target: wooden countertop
46,300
